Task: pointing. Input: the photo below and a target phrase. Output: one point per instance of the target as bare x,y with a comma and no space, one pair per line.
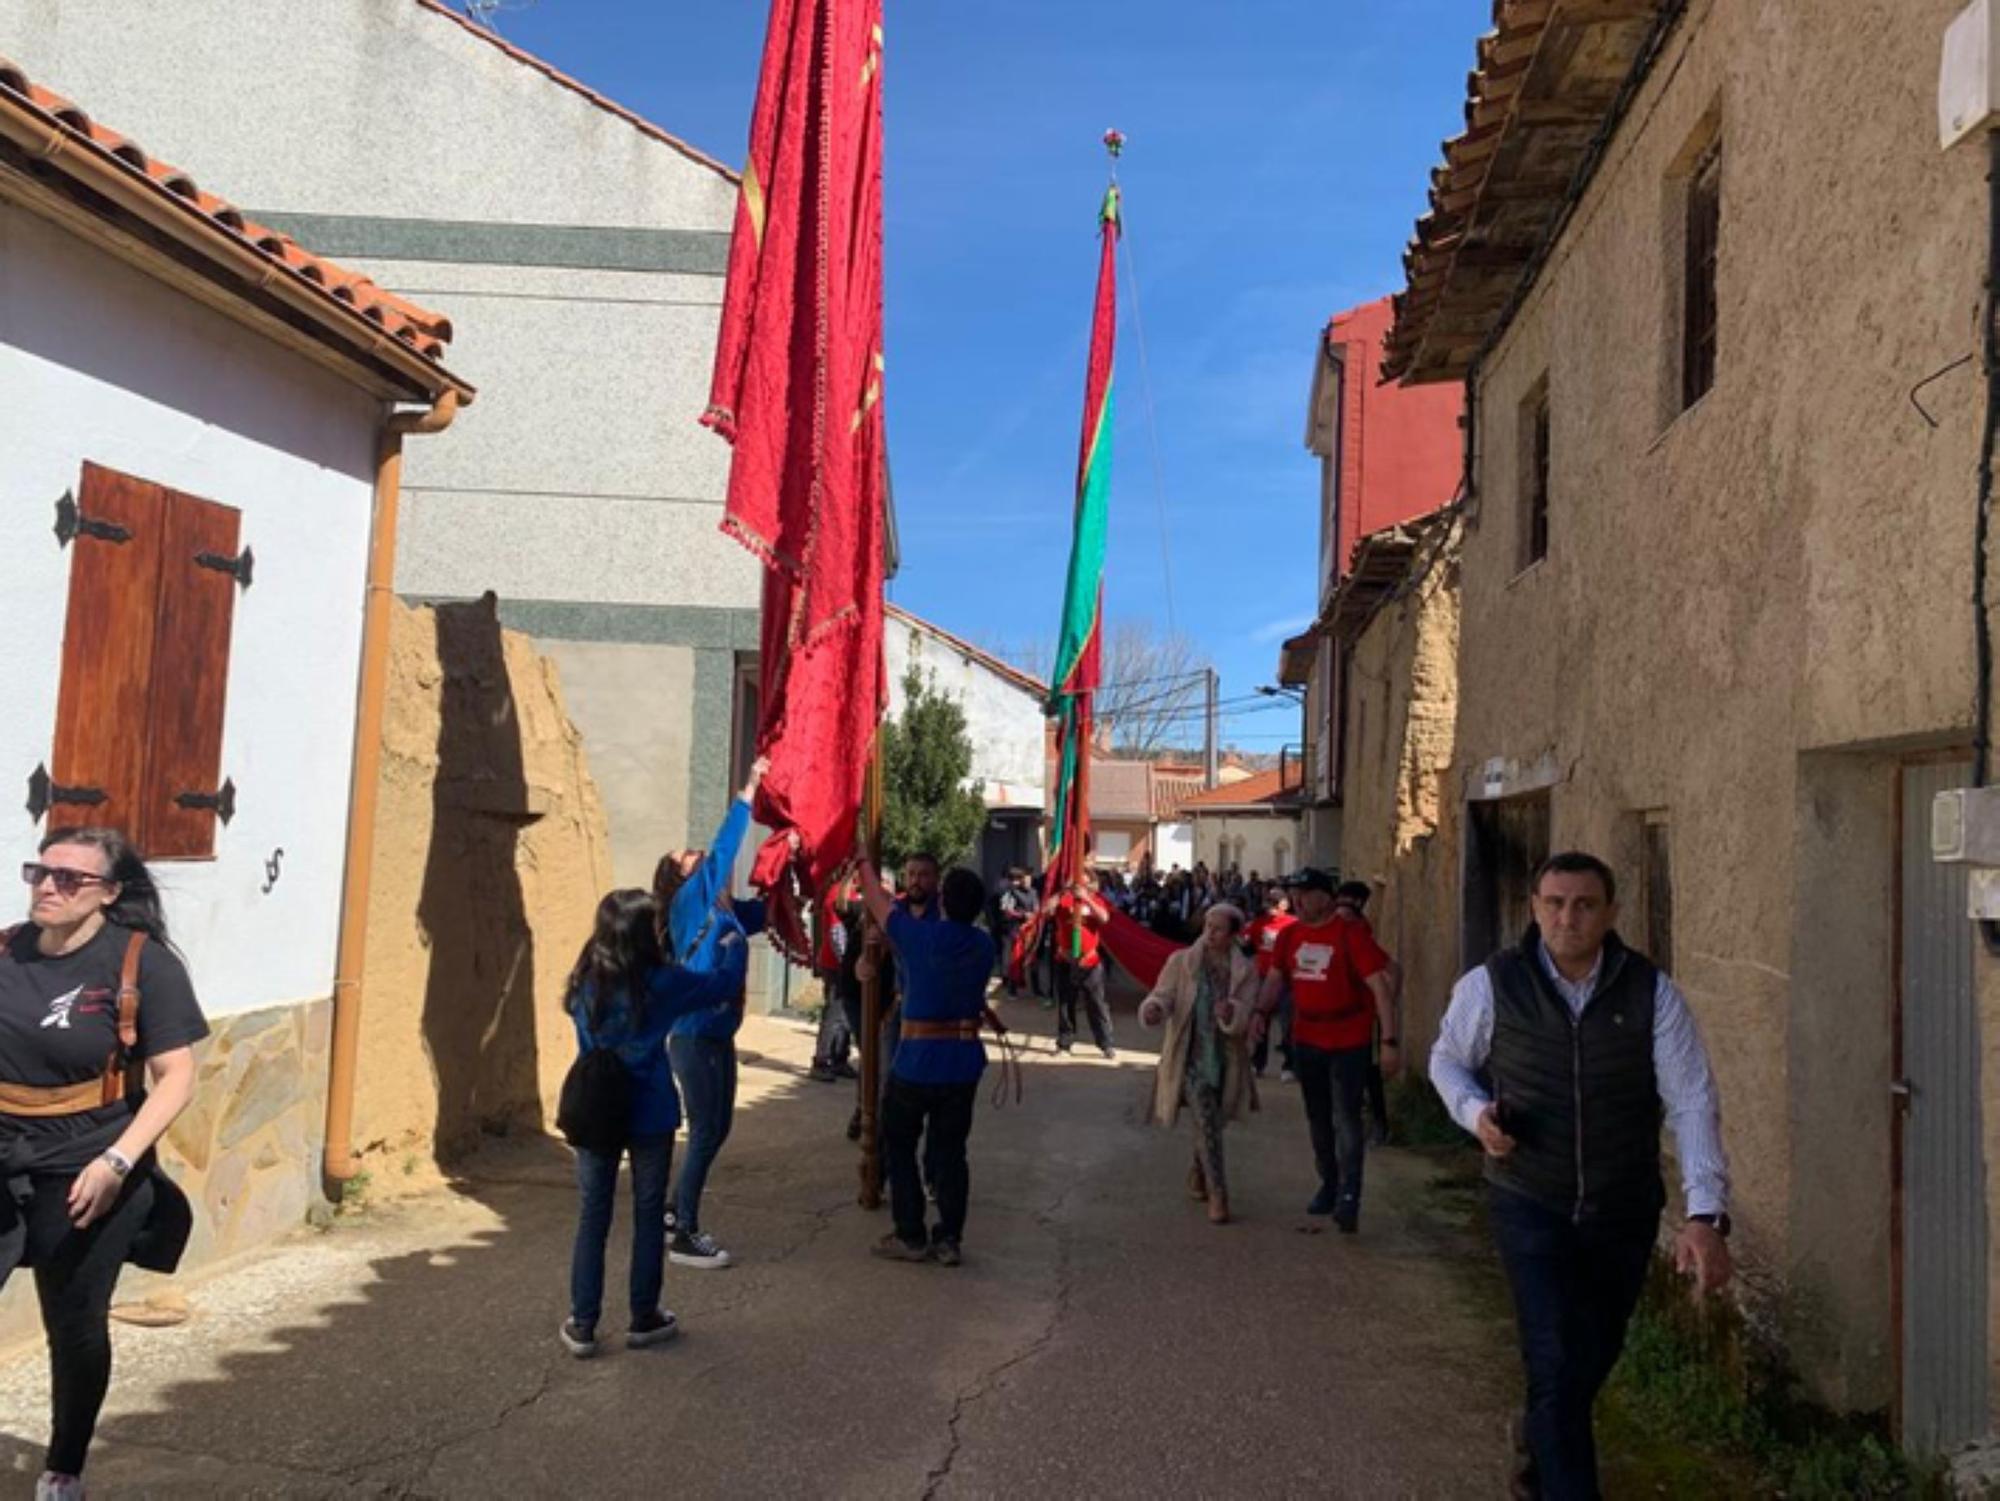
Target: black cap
1312,878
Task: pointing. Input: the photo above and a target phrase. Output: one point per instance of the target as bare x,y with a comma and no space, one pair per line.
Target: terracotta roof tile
1547,75
555,75
1274,789
421,329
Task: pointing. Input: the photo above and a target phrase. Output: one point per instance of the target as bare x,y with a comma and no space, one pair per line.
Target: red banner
798,391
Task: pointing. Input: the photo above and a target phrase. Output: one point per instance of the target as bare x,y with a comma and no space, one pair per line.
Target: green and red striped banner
1078,665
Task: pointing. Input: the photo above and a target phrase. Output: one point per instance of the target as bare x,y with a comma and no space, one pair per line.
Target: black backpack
594,1110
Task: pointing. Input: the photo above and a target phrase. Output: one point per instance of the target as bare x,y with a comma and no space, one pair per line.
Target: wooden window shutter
183,790
99,761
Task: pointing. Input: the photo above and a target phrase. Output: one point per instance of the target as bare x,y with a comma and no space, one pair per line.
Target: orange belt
51,1099
941,1031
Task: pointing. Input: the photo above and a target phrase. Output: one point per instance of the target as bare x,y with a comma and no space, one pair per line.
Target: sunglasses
66,882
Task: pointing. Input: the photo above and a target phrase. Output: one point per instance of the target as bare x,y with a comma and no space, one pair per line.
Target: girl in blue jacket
702,926
624,994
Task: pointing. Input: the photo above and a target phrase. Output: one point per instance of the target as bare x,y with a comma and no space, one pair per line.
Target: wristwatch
117,1161
1719,1223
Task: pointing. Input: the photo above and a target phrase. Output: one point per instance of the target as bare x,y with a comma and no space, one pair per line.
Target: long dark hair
624,948
138,905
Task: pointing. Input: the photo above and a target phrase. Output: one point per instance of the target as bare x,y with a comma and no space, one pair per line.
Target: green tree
929,803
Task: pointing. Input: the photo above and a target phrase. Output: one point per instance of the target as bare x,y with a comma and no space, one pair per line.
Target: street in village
1102,1339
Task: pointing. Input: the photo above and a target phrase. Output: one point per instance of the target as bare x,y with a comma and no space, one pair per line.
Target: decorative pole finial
1114,142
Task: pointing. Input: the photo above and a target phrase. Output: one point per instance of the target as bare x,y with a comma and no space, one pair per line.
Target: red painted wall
1401,451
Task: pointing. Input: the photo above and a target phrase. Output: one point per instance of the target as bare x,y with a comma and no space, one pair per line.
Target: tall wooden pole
871,1002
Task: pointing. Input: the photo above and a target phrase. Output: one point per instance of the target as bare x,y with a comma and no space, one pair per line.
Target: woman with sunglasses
80,1194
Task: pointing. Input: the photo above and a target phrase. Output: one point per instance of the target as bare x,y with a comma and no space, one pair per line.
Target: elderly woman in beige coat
1204,997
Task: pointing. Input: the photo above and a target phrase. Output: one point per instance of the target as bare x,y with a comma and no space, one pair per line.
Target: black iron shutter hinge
238,568
44,793
71,522
222,802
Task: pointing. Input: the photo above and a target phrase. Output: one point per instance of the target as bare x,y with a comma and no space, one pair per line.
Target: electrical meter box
1965,826
1968,84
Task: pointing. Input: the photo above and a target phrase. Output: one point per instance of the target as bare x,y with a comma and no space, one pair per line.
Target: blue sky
1278,155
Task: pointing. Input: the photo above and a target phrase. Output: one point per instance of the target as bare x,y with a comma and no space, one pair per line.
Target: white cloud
1278,630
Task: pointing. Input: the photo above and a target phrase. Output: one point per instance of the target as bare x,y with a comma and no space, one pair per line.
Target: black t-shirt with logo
59,1025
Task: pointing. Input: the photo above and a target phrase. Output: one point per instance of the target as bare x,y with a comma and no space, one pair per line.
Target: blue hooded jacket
673,992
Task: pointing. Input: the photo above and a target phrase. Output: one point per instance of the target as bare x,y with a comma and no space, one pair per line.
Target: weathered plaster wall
1779,570
1003,718
489,862
1399,830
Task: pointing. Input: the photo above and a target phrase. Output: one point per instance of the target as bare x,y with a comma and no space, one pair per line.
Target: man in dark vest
1589,1049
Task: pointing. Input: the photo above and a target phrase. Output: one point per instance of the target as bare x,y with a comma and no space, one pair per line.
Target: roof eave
137,218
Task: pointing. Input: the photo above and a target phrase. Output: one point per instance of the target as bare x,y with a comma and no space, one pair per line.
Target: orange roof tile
419,328
610,106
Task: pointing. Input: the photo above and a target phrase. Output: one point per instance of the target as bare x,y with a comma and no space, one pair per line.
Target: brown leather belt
967,1031
51,1099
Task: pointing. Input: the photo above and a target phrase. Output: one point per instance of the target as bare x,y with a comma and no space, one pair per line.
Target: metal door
1944,1232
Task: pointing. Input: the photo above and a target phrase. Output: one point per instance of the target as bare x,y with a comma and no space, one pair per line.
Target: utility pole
1211,767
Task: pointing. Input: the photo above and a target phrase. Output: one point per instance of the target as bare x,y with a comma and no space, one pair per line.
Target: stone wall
1399,831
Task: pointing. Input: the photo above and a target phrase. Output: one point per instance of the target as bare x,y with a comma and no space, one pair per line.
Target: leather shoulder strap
121,1070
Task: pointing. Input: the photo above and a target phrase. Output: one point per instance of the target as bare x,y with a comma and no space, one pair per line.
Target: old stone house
1394,619
1690,260
1386,453
200,499
1251,823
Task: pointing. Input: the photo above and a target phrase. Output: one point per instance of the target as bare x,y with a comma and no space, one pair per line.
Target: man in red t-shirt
1080,915
1340,989
1260,942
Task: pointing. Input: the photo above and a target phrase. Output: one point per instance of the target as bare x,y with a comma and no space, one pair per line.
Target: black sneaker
579,1339
822,1073
655,1328
946,1253
1347,1220
845,1070
1323,1202
892,1247
697,1250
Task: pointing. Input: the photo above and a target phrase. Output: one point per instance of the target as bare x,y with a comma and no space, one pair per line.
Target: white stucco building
584,249
196,419
1004,720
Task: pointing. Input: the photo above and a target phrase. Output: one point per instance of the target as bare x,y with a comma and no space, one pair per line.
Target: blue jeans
1575,1286
597,1180
706,1070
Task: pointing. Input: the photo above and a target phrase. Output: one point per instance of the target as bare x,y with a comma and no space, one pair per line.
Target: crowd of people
98,1018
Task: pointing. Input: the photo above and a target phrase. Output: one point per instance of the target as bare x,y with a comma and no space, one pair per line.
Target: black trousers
76,1272
941,1115
1575,1286
1074,982
1332,1085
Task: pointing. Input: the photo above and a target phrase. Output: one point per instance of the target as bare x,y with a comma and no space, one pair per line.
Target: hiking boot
697,1250
1323,1202
654,1328
579,1339
946,1253
892,1247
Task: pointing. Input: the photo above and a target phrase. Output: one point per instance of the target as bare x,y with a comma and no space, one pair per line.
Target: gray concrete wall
1777,572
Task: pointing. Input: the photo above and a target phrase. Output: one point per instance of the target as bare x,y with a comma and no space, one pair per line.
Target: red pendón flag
798,391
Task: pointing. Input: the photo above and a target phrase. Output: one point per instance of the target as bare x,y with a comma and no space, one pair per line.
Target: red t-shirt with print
1262,935
1328,964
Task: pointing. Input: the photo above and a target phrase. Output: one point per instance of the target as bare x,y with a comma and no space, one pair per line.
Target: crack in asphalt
987,1380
